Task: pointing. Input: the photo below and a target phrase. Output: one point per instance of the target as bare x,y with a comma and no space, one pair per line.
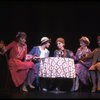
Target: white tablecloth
53,67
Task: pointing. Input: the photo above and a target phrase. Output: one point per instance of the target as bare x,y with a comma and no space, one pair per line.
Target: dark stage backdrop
67,19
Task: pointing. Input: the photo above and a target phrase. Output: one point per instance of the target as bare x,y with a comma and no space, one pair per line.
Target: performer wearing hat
39,52
81,67
20,69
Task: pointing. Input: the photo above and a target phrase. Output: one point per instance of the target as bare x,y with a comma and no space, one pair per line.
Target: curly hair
85,40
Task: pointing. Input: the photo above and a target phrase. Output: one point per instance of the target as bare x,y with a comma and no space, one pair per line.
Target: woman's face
22,40
47,44
82,44
60,45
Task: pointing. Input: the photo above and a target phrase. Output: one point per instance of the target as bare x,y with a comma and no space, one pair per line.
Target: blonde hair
85,40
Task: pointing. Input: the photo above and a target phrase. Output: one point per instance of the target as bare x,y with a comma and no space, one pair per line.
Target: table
55,67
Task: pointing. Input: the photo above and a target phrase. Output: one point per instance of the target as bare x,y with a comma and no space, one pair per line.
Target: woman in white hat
38,52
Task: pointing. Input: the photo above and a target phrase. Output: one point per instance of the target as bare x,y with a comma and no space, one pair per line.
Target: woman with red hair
61,51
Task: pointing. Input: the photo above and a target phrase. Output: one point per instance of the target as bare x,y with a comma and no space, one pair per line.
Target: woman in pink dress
22,72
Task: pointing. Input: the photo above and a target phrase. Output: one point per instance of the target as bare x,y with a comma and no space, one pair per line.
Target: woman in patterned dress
81,67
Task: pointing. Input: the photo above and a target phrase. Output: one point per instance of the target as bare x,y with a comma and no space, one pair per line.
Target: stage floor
4,93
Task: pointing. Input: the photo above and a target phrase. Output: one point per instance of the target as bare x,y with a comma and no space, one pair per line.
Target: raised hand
2,47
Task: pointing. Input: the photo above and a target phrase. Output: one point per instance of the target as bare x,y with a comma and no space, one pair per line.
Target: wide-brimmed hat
45,39
85,40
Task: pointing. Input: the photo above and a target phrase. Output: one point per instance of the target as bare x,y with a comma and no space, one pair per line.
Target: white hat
44,39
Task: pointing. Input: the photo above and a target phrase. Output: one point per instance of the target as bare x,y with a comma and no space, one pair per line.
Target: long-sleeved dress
17,66
82,68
